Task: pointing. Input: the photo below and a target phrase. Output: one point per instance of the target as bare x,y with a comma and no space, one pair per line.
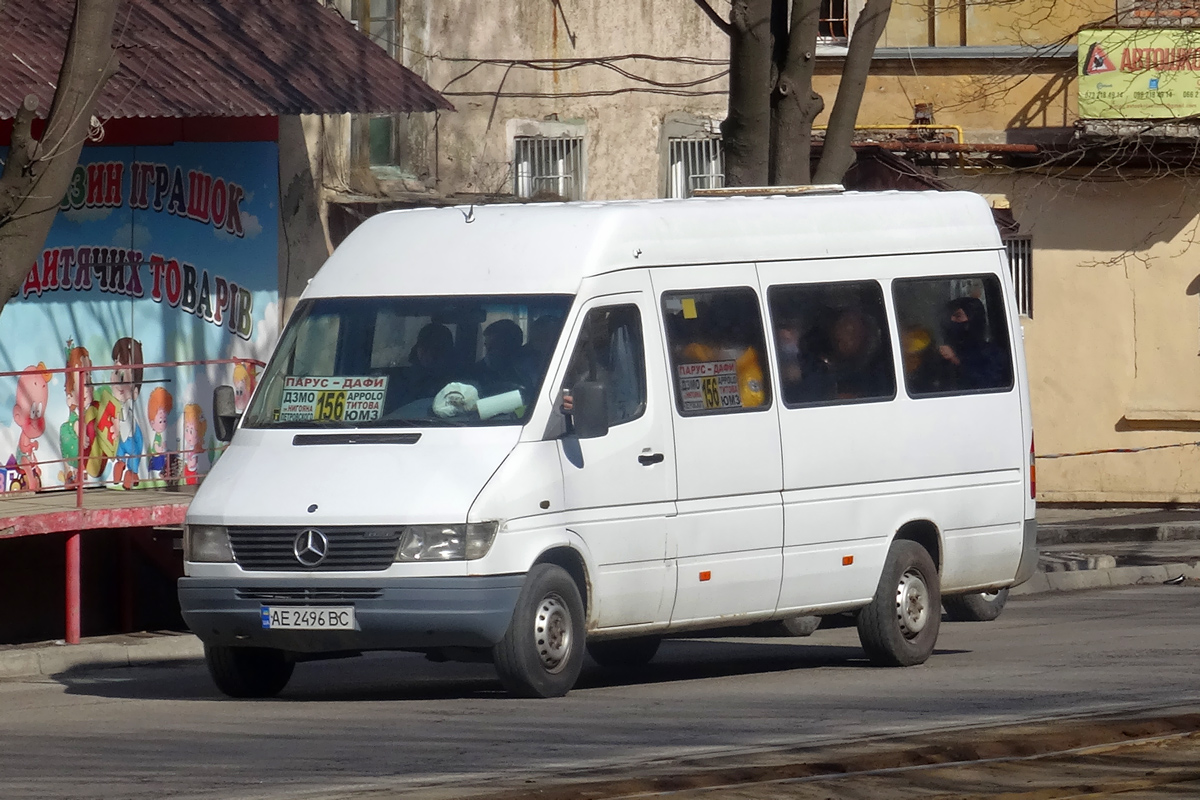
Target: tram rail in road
1144,756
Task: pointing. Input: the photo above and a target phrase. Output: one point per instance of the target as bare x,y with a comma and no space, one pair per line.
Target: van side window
718,353
832,342
609,350
954,335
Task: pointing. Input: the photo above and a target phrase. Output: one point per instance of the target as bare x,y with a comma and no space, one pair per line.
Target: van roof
549,248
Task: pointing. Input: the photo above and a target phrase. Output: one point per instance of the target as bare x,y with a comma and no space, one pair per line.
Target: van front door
727,539
620,488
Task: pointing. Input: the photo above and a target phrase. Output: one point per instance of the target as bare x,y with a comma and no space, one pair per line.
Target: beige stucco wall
1113,343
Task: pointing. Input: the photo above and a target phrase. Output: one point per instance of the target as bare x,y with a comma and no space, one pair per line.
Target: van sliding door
728,535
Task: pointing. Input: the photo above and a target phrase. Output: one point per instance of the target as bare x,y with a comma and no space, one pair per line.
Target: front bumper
395,614
1029,553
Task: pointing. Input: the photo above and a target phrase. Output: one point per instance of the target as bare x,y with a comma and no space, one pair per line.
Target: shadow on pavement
410,677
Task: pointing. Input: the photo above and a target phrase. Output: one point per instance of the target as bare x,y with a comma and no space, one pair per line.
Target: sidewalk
1081,548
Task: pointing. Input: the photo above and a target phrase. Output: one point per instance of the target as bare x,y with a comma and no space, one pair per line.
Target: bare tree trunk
747,129
796,104
838,155
37,174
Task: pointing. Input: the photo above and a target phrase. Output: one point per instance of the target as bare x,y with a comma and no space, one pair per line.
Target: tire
248,671
541,653
900,626
624,653
801,626
977,607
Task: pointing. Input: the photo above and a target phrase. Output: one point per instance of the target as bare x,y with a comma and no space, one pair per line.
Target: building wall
1112,346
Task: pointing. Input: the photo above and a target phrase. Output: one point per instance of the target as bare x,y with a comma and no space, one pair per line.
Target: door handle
646,459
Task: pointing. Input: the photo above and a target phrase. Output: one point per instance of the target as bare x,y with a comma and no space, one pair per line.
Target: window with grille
375,139
1020,263
695,163
546,168
834,24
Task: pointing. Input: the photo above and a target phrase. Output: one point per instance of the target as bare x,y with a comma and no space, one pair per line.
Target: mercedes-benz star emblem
310,547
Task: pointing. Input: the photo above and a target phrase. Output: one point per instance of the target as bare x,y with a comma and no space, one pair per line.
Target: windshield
359,362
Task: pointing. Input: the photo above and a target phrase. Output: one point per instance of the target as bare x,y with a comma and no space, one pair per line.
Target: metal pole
73,588
81,430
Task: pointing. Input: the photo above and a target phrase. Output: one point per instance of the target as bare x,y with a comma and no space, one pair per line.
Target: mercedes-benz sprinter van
525,432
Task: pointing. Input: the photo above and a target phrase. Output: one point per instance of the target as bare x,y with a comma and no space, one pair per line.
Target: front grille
350,549
306,595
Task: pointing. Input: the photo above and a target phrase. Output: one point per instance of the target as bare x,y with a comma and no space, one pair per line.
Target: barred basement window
833,27
548,168
695,164
1020,263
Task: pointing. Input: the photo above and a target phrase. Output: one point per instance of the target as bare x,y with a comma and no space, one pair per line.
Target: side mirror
225,413
590,413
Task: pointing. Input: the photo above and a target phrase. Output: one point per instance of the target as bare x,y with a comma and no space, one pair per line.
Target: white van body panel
552,247
755,515
264,479
618,505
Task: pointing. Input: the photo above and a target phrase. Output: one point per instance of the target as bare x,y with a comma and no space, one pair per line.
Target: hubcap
912,604
552,632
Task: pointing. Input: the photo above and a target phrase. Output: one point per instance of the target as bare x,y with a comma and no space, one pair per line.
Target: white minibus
522,433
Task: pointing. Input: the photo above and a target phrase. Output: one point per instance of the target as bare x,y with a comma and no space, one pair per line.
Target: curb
135,650
1076,580
127,651
1067,533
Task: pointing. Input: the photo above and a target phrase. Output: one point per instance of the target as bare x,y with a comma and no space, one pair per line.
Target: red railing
80,461
83,378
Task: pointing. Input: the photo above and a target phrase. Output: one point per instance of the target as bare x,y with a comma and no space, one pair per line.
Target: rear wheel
541,653
900,626
624,653
977,607
248,671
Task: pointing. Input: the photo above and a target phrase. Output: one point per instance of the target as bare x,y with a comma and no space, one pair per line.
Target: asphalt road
397,725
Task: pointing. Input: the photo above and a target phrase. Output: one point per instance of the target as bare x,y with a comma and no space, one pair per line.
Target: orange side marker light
706,575
847,560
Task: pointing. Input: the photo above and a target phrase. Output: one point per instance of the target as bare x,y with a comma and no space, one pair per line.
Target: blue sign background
173,247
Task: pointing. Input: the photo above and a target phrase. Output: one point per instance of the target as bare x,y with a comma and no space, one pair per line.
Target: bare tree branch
797,105
716,18
747,128
837,155
39,172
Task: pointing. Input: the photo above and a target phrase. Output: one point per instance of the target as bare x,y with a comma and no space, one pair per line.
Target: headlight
206,543
446,542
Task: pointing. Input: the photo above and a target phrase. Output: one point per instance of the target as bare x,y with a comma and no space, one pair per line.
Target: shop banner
158,254
1147,73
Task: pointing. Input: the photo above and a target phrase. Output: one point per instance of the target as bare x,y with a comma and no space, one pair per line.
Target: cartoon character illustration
194,428
78,433
158,408
29,412
244,378
11,476
126,386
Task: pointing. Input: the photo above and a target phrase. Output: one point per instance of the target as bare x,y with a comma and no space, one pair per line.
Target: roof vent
767,191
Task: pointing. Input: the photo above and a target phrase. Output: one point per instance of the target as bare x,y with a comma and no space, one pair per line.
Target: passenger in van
501,351
978,361
854,363
925,370
534,357
430,362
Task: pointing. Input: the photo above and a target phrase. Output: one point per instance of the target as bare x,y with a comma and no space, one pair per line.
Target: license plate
308,618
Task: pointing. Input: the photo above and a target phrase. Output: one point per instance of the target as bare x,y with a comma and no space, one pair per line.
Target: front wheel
900,626
248,671
541,653
978,607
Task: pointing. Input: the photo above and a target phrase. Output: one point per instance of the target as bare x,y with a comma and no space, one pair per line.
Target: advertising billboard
158,254
1146,73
